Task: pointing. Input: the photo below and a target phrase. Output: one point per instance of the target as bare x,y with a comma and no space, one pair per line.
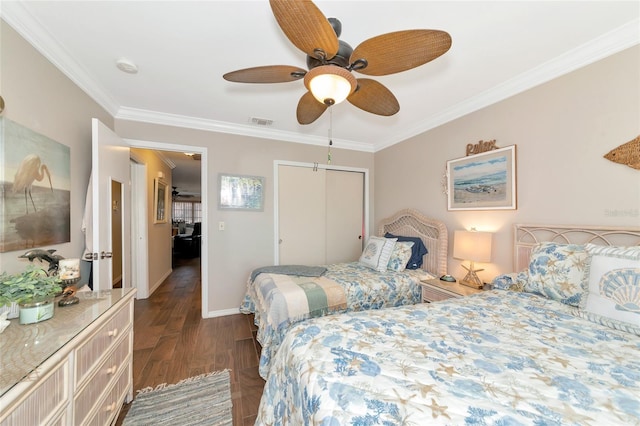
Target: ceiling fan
331,61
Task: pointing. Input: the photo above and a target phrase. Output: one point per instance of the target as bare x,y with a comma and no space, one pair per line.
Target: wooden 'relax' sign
481,146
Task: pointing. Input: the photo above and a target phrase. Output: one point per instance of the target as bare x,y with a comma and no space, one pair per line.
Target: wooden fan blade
309,109
374,97
266,74
305,26
400,51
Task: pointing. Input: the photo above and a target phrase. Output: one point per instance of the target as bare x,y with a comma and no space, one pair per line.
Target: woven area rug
200,400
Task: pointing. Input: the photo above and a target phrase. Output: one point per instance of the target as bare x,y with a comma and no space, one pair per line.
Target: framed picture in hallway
240,192
485,181
160,201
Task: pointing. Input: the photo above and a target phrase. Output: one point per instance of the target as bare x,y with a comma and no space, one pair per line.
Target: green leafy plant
31,285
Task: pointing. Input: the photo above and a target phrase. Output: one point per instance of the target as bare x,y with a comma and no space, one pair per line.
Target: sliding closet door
301,208
345,215
320,215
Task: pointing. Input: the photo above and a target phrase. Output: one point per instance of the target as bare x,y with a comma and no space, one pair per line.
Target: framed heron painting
35,189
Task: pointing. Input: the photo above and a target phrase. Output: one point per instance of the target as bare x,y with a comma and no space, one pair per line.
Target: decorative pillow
515,281
614,284
558,271
377,252
607,321
400,256
417,251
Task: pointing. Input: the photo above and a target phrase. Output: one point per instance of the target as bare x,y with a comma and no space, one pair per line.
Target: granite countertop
25,347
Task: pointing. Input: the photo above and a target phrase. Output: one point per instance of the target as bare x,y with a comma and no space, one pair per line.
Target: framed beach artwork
35,189
239,192
484,181
160,201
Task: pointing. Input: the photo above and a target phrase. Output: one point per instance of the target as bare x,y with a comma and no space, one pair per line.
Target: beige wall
40,97
561,129
247,241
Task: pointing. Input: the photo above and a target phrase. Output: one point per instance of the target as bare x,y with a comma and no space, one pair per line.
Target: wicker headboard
412,223
526,236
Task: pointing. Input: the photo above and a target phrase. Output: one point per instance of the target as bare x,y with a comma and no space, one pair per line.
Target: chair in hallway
188,245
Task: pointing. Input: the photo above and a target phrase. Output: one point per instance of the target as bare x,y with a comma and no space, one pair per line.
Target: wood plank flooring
172,342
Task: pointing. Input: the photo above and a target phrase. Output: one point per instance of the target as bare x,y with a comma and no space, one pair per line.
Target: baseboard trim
222,313
159,282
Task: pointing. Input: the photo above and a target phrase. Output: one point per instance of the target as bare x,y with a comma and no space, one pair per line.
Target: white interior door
301,207
345,215
110,166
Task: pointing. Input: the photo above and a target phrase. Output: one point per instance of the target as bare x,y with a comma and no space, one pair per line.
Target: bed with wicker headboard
432,232
525,237
283,295
527,354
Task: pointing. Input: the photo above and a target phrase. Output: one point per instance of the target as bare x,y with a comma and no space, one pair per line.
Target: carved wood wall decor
627,154
481,146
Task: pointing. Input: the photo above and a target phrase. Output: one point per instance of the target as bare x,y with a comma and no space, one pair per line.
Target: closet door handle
359,237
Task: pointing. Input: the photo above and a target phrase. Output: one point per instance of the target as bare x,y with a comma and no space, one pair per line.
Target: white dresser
74,369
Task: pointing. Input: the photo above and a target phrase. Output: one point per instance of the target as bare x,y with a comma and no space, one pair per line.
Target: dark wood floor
172,342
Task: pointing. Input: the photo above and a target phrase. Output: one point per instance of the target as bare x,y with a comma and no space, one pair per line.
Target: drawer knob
110,407
111,370
113,333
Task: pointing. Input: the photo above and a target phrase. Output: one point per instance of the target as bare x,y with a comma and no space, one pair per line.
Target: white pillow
377,252
614,283
400,256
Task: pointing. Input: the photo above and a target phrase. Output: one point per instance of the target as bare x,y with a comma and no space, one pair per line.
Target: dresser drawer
43,402
105,375
109,407
90,353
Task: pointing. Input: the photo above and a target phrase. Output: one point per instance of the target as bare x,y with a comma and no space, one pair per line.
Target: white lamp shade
473,246
330,84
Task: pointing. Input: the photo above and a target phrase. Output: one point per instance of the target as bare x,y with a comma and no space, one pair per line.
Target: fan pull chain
330,136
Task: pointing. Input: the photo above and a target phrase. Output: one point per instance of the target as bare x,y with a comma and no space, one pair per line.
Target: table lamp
475,247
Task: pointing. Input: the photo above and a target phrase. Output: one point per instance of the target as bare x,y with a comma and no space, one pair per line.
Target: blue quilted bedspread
499,357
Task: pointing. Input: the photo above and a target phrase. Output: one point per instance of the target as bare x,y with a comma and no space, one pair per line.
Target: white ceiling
182,49
185,173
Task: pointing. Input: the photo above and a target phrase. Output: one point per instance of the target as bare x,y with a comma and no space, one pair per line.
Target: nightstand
434,290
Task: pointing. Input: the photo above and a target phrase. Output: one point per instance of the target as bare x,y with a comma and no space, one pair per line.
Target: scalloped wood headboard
526,236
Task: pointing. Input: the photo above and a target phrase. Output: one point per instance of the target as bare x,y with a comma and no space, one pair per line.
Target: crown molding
18,17
165,160
154,117
615,41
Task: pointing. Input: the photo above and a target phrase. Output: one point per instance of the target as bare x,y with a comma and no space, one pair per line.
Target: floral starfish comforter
279,301
499,357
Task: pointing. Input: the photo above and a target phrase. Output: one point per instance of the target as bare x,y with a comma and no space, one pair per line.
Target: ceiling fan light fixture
330,84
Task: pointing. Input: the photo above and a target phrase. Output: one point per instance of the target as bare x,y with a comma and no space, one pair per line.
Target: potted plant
33,290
